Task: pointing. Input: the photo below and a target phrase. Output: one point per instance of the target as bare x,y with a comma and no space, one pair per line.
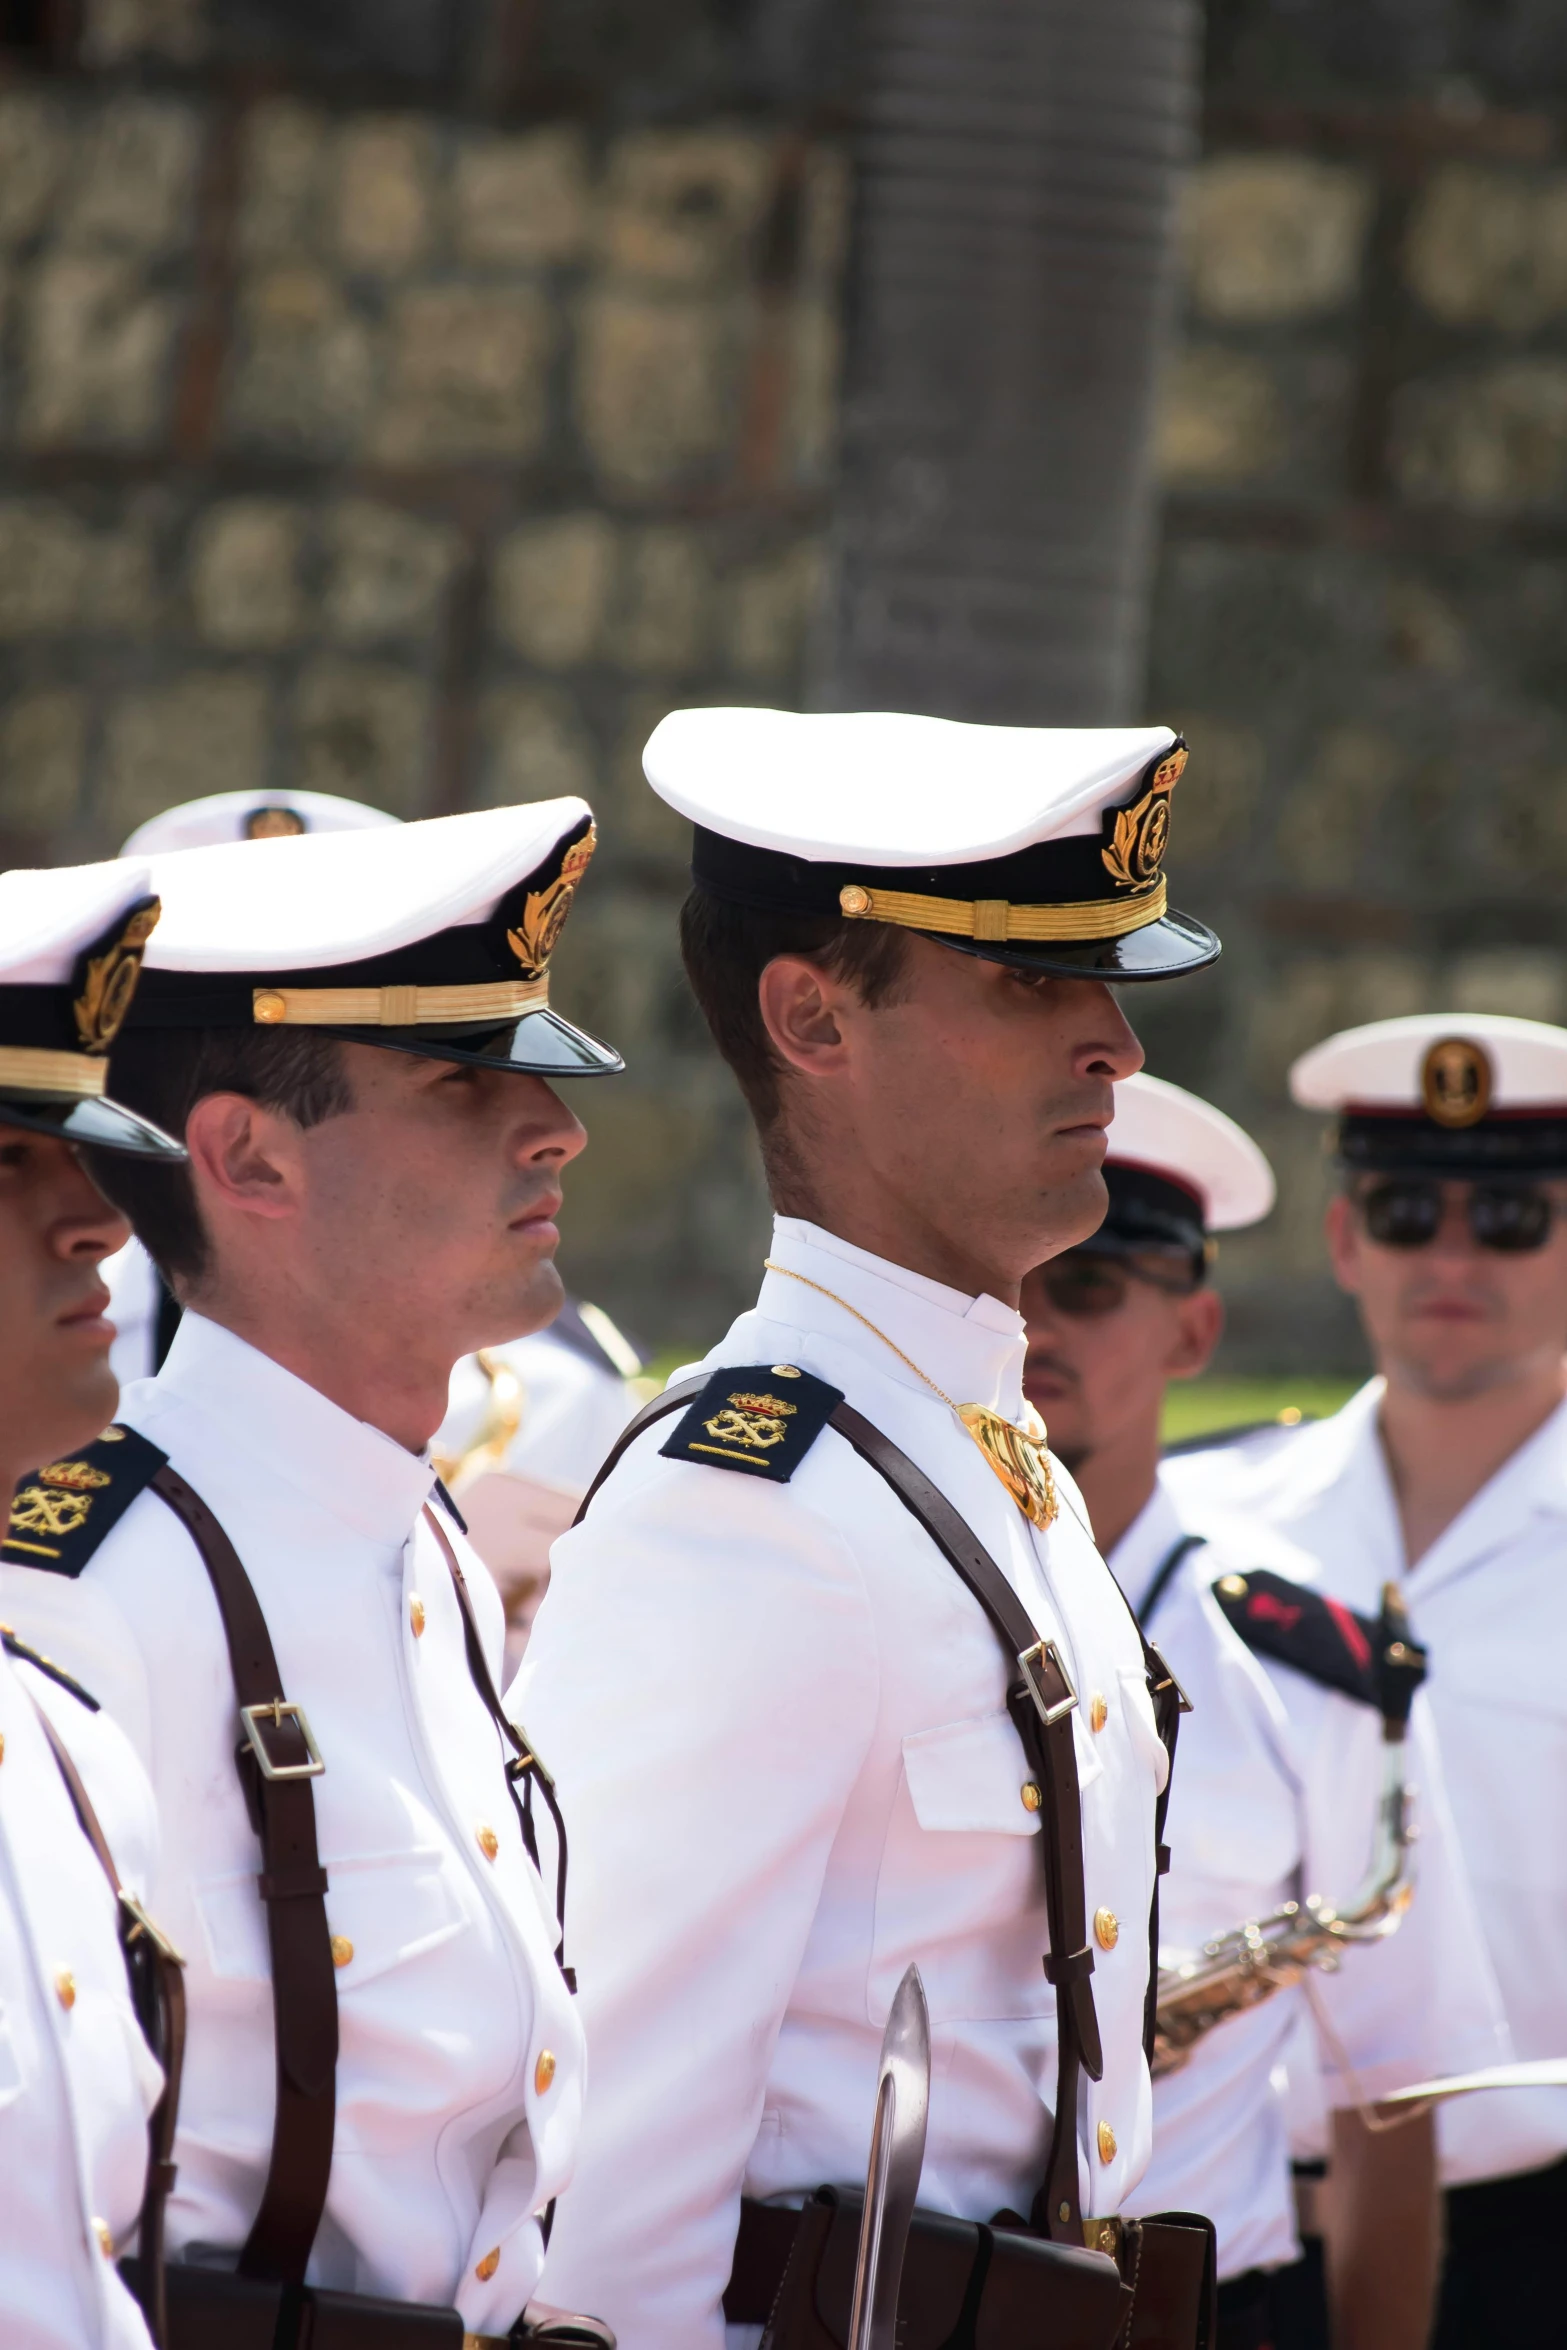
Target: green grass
1191,1408
1198,1406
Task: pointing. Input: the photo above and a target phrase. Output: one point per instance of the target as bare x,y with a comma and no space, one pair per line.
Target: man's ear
1199,1328
799,1004
244,1157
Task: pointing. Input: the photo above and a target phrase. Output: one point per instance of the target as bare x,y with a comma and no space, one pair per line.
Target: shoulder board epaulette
1295,1625
62,1511
40,1663
1220,1439
759,1418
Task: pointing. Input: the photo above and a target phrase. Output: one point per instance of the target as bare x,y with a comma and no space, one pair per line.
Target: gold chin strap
26,1068
1000,923
397,1007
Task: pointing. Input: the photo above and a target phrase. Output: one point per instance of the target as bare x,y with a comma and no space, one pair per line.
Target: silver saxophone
1263,1956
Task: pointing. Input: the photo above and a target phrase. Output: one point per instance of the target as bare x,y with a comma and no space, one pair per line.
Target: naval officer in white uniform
777,1718
353,1032
1281,1764
78,2083
1448,1473
526,1426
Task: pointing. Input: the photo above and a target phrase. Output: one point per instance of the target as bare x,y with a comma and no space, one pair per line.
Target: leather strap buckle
1042,1668
279,1711
141,1924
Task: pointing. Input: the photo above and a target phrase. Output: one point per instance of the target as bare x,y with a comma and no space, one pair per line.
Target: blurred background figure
528,1426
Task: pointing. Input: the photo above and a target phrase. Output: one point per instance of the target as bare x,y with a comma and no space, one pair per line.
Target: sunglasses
1087,1287
1407,1211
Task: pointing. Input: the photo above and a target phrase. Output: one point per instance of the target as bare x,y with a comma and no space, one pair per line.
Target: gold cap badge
1142,832
1455,1082
110,979
544,911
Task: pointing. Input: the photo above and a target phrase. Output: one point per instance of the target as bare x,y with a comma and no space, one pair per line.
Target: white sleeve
75,1621
703,1681
1425,2001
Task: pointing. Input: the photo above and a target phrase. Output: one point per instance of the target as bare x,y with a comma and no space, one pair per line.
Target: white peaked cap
890,788
71,944
1383,1065
1173,1133
226,816
318,899
1041,847
49,916
432,938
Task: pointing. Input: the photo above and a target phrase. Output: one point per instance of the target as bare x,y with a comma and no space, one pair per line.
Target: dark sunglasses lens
1084,1286
1402,1215
1514,1219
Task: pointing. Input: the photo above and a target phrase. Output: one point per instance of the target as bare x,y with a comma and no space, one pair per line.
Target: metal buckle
1103,2235
1183,1703
1051,1710
280,1709
142,1924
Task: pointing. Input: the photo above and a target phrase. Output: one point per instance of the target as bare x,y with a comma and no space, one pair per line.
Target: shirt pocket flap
389,1907
968,1778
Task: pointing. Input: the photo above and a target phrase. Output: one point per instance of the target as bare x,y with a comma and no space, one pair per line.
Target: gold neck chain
1016,1455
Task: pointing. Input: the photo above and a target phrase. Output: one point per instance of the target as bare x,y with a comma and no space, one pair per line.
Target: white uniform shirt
77,2083
448,2140
1276,1785
777,1721
572,1411
1489,1600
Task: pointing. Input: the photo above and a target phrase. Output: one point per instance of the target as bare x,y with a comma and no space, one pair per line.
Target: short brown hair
727,948
164,1074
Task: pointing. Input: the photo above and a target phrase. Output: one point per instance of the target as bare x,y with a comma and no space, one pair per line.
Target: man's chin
1443,1377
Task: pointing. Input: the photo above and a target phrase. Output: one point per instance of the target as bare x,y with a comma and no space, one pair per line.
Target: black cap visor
1165,949
96,1123
539,1044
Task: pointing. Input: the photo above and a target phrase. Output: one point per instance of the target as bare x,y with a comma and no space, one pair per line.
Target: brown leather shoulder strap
277,1761
145,1949
1040,1699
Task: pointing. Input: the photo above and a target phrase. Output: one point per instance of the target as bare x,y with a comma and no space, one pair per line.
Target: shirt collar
289,1431
1145,1546
973,1347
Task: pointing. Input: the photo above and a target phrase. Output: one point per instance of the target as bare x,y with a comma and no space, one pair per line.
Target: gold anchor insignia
37,1511
1019,1458
757,1420
1141,833
110,980
1455,1082
544,910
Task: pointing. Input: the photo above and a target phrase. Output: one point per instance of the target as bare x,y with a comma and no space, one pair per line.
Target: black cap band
1523,1145
1149,1211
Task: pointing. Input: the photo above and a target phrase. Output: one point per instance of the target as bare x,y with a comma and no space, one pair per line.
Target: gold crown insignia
773,1405
1140,835
544,910
110,980
75,1476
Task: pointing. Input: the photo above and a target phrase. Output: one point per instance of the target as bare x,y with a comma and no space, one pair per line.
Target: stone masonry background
415,399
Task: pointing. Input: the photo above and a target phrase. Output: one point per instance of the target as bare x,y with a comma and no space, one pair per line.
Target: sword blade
892,2181
1534,2072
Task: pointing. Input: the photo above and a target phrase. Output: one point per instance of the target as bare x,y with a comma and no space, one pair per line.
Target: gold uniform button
104,2234
1106,2137
1232,1586
65,1988
1030,1794
853,899
484,2269
416,1614
787,1371
342,1950
489,1843
544,2070
1098,1712
268,1007
2,1746
1107,1928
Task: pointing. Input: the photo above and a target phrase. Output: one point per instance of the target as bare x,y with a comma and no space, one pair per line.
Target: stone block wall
417,400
